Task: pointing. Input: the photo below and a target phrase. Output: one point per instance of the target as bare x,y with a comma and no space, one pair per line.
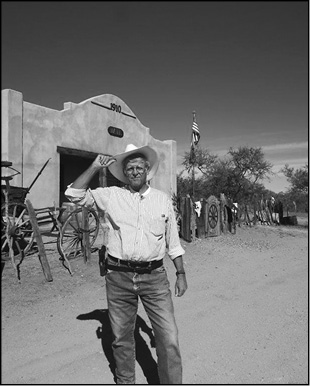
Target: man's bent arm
84,179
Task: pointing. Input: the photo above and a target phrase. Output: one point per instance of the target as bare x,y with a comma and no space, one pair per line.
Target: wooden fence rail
222,216
211,218
42,254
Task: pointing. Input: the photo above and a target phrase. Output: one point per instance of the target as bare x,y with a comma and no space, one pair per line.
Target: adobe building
70,140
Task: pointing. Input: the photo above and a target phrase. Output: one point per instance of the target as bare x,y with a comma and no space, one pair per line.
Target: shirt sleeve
88,197
173,244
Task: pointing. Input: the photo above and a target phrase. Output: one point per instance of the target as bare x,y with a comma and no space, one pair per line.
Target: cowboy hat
116,168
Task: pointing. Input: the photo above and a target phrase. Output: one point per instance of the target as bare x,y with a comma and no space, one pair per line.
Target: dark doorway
71,167
73,163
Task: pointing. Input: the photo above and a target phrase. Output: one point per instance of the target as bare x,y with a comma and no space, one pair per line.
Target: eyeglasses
138,170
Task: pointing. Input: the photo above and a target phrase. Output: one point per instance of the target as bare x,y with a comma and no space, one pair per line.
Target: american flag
195,134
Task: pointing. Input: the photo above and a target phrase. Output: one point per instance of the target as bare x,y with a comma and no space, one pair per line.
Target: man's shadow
143,353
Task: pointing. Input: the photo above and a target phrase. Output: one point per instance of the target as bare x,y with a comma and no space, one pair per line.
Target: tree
200,159
222,179
185,187
250,163
249,169
299,178
299,189
238,175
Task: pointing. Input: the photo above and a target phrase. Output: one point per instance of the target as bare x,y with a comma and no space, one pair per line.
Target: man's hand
180,285
103,161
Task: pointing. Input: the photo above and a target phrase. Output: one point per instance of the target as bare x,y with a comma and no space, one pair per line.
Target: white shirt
141,227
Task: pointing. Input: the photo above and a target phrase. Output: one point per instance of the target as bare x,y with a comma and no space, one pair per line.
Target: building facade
69,140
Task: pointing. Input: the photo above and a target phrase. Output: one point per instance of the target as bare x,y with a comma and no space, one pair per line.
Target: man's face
136,172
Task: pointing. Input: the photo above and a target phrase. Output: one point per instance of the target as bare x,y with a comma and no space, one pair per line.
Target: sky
241,66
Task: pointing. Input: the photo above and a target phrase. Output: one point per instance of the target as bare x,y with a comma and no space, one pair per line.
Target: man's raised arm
101,161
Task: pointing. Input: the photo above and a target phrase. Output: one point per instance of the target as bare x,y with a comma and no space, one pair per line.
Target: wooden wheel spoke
76,229
4,242
20,216
19,227
70,241
213,216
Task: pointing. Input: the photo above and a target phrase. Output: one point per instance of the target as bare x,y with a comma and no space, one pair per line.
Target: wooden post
38,237
270,215
192,220
186,218
201,232
240,213
193,157
260,212
254,208
223,214
267,215
182,217
233,225
86,244
247,217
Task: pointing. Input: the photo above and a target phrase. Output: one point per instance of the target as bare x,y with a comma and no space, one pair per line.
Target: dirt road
243,320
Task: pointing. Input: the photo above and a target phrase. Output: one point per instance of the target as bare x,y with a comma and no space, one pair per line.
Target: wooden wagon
21,225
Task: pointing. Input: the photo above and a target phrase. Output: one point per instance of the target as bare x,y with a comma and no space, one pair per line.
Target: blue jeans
123,291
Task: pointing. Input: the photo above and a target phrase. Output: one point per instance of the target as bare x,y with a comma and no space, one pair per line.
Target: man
142,228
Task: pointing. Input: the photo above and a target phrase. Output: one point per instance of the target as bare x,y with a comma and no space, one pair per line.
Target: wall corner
12,130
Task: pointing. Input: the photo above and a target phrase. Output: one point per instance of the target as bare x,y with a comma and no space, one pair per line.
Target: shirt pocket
157,227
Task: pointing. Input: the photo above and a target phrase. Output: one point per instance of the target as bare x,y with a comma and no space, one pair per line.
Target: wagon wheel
19,228
213,216
70,238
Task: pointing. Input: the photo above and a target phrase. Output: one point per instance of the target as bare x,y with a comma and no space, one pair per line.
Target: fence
212,217
264,212
206,218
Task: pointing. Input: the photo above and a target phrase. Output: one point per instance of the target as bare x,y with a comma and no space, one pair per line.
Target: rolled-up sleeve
87,197
80,196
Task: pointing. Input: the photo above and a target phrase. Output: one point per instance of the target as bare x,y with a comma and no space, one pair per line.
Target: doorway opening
73,163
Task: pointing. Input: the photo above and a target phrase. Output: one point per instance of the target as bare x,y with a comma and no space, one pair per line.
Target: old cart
19,227
77,230
16,228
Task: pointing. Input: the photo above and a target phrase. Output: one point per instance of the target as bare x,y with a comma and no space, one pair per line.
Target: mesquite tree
238,175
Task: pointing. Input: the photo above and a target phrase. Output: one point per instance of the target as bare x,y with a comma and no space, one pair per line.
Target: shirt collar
143,194
146,192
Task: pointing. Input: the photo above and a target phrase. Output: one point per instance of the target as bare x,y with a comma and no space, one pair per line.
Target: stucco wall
31,134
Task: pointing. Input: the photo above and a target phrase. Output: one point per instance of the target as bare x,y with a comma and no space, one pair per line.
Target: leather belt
133,266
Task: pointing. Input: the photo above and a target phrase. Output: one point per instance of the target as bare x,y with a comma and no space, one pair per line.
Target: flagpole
193,159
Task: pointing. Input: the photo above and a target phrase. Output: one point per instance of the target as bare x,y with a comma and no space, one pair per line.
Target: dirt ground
243,320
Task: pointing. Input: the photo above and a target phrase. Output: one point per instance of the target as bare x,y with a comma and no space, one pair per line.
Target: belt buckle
138,269
129,263
146,269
